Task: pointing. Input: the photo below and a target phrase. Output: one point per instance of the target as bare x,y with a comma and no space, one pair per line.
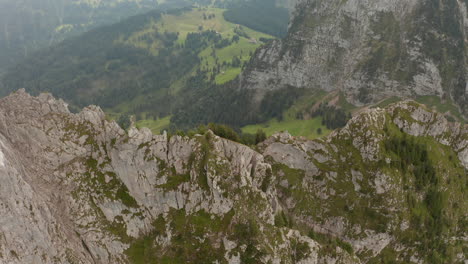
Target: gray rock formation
76,188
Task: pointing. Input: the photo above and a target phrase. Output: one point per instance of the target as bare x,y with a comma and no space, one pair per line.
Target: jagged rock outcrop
76,188
370,50
352,186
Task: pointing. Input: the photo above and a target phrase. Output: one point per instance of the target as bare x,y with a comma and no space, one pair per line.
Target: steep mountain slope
76,188
370,50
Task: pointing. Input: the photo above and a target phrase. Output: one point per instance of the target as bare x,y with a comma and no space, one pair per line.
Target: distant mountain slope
389,187
27,25
369,52
142,65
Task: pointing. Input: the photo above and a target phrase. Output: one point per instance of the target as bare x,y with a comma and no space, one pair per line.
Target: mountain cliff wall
369,50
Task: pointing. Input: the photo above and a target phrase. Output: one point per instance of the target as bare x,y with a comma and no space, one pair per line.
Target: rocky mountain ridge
76,188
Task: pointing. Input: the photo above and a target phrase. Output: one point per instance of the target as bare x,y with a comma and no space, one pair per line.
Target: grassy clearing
191,21
299,127
227,75
156,126
241,49
305,128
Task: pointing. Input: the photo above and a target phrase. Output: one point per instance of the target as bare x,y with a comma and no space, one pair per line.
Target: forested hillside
145,65
262,15
29,25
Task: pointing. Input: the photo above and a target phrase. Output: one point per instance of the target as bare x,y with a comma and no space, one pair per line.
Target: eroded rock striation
76,188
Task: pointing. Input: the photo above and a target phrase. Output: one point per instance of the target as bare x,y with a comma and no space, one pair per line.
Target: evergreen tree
260,136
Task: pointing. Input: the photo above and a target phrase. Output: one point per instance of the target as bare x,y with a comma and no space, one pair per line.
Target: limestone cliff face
370,49
76,188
